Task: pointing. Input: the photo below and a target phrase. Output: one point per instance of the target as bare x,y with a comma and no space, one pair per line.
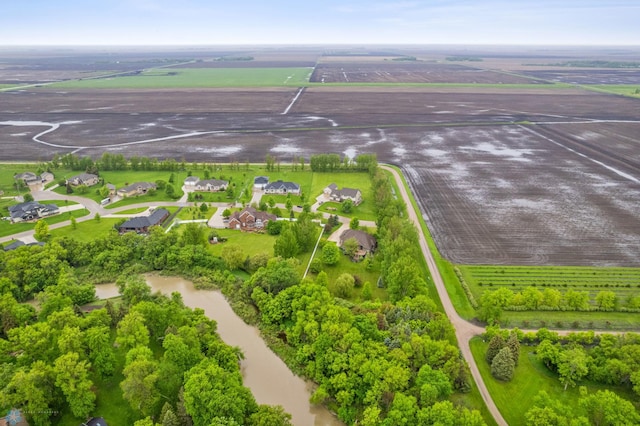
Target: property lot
410,72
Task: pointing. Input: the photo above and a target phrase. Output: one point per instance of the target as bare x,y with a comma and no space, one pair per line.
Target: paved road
464,329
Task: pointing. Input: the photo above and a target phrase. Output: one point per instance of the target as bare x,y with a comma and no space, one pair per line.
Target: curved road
464,329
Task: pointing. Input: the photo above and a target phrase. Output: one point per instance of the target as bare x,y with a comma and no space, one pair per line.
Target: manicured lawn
86,231
191,213
514,398
134,211
250,242
8,228
198,77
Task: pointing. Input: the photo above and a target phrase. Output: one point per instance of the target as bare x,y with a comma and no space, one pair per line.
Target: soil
560,188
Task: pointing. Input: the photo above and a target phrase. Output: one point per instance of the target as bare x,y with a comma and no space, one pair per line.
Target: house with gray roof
141,224
366,242
31,210
191,181
88,179
138,188
27,177
259,182
280,187
332,193
211,185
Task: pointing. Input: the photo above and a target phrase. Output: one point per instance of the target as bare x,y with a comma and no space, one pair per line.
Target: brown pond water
268,377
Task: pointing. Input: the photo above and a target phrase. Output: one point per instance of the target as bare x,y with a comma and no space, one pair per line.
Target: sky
224,22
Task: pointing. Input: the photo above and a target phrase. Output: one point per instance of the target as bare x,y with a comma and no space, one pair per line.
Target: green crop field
622,89
622,281
197,77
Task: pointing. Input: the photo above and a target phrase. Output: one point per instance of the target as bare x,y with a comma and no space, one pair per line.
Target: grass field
251,243
623,89
514,398
86,231
8,228
197,77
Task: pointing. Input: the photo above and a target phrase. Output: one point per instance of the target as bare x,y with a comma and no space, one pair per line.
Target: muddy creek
268,377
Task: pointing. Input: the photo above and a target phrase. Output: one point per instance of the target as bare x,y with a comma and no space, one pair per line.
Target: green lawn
134,211
197,77
8,228
191,213
250,242
86,231
514,398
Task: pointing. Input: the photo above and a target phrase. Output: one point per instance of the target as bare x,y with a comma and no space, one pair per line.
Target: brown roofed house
366,242
250,219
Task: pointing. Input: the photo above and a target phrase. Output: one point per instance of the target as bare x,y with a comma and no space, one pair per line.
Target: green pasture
514,398
621,89
622,281
196,77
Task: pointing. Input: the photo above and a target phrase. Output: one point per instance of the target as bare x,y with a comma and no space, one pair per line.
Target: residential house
259,182
88,179
112,189
332,193
141,224
280,187
46,177
191,181
250,219
366,242
14,245
138,188
95,421
211,185
31,210
27,177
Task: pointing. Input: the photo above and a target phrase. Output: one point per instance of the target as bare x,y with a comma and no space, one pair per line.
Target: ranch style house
332,193
88,179
280,187
141,224
138,188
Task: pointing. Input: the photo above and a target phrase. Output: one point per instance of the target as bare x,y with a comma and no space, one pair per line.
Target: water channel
268,377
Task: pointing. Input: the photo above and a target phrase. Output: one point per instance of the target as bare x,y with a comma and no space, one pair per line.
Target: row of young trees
492,303
333,163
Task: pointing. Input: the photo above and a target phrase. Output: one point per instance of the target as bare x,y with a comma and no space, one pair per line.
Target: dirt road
464,329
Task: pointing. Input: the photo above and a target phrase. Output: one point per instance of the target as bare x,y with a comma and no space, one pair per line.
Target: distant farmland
197,77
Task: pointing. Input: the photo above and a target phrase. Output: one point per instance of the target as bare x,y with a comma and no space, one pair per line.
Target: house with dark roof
27,177
138,188
259,182
88,179
31,210
250,219
280,187
366,242
211,185
95,421
14,245
141,224
332,193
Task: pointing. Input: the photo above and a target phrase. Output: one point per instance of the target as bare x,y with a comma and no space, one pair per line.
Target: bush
502,366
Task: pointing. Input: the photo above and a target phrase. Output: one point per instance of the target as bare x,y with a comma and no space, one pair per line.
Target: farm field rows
624,282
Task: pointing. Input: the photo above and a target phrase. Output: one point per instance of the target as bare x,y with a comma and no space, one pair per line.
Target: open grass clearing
251,242
7,228
621,321
134,211
197,77
621,89
88,230
514,398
